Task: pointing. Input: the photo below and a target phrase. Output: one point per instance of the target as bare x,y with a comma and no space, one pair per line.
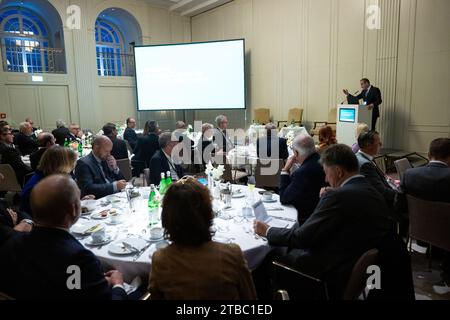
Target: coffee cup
156,233
267,196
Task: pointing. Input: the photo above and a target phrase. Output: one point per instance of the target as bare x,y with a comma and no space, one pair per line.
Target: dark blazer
25,196
377,179
119,150
302,189
35,158
264,148
347,222
160,164
35,266
91,180
131,136
12,156
27,144
222,140
208,150
146,148
431,182
60,135
374,97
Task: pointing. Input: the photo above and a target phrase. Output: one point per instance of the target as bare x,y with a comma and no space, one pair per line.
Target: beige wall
81,95
304,52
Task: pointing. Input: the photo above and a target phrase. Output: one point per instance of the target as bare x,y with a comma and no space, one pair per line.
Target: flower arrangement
290,136
216,173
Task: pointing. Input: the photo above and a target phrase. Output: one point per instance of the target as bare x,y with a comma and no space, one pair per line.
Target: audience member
97,174
130,133
302,189
209,149
75,133
44,264
146,147
194,267
163,160
26,141
221,138
45,141
61,132
327,138
360,129
119,150
271,146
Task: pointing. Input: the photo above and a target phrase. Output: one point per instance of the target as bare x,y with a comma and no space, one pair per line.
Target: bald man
45,141
97,174
49,263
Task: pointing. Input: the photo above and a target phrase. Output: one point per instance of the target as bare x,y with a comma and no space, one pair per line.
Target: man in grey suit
350,219
97,174
370,144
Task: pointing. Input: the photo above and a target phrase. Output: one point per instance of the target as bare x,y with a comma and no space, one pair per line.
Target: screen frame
347,109
190,43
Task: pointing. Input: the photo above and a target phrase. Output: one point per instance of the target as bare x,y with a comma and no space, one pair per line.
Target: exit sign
2,115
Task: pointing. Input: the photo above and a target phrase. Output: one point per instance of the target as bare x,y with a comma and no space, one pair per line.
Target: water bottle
153,206
168,180
162,184
80,149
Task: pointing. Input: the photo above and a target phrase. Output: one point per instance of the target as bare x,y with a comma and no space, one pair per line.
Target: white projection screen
193,76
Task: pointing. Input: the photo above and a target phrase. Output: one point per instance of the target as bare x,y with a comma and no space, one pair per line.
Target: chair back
9,183
429,221
125,168
262,115
295,115
358,278
402,165
267,172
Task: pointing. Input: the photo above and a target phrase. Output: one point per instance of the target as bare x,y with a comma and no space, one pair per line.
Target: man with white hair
25,141
302,189
61,132
163,160
220,134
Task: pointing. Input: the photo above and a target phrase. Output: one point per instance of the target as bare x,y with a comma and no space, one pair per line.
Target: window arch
110,48
25,41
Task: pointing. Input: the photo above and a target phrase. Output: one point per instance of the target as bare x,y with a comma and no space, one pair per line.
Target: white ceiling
187,7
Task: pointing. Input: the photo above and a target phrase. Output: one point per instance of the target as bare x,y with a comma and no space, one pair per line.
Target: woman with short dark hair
194,267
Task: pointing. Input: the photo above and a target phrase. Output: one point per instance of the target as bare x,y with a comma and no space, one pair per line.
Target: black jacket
36,266
131,136
347,222
302,189
119,150
12,156
91,180
146,148
26,144
222,140
374,97
431,182
60,135
264,148
35,158
160,164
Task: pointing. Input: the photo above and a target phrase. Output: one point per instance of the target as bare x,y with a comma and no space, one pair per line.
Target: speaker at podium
348,118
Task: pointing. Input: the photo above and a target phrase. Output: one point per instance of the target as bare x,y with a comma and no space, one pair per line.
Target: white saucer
156,240
90,241
269,201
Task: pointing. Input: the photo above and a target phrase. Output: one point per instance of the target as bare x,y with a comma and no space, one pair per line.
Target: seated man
119,150
302,189
61,132
10,155
97,174
163,161
370,144
130,133
45,140
265,144
49,263
349,220
431,182
25,140
75,133
146,147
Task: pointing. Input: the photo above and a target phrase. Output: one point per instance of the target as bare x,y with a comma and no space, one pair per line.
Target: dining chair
402,165
9,183
125,168
358,279
295,115
267,173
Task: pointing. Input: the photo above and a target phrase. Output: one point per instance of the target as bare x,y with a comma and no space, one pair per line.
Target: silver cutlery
130,247
283,218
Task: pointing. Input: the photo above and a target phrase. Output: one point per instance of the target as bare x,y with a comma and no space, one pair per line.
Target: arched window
110,49
25,42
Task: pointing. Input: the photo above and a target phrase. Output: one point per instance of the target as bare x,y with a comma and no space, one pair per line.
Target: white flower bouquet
216,173
290,136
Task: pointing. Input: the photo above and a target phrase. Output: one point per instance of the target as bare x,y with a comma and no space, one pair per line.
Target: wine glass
251,183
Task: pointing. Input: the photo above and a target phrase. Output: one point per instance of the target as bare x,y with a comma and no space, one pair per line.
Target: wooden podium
348,118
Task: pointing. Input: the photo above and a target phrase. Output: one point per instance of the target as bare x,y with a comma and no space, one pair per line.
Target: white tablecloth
296,130
235,229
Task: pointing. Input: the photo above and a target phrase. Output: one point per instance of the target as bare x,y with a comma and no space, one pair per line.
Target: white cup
156,233
267,196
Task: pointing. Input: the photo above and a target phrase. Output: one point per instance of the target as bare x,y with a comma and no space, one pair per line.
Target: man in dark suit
119,150
370,144
221,138
130,133
97,174
49,263
265,144
26,141
163,160
372,98
10,155
45,140
431,182
61,132
146,148
302,188
350,219
75,133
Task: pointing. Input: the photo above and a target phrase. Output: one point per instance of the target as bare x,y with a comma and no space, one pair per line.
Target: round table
230,225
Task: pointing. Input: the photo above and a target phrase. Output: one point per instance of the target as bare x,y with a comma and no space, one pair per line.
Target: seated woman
56,160
327,138
360,129
194,267
208,148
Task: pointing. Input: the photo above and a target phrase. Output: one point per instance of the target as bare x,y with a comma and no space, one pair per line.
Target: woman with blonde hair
360,129
56,160
327,138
